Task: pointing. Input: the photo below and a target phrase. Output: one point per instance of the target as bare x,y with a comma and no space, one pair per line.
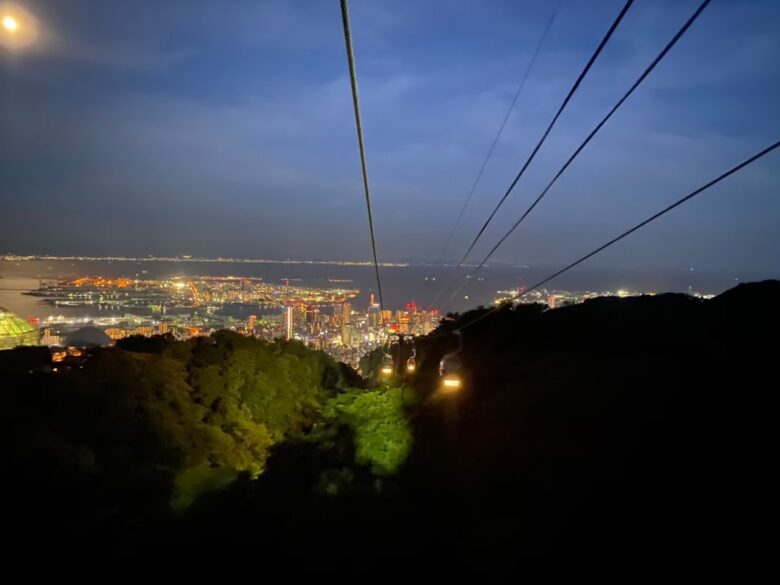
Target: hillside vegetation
629,439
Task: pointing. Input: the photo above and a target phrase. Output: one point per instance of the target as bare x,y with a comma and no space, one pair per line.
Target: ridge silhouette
626,438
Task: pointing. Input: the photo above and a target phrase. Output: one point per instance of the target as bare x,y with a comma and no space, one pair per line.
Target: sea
443,287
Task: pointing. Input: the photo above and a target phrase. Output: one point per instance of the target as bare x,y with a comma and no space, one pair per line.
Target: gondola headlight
451,384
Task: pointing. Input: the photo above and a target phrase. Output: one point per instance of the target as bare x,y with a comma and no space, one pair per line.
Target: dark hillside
627,439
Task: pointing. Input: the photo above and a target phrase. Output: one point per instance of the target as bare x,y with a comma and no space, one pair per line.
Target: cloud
232,129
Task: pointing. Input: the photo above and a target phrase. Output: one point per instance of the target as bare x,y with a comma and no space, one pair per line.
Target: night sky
226,128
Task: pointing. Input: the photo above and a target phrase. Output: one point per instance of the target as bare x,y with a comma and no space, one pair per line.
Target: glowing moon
19,28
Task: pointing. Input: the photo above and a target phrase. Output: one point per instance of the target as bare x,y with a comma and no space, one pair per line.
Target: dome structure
15,331
88,337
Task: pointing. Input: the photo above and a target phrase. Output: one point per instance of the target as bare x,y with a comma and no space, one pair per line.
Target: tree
383,437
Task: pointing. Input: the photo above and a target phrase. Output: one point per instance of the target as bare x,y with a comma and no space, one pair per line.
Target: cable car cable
598,127
489,154
538,146
361,146
530,158
631,230
590,136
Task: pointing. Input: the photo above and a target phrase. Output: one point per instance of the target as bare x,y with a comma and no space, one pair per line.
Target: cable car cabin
386,369
411,365
451,373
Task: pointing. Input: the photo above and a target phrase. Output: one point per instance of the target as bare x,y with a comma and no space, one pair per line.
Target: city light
322,318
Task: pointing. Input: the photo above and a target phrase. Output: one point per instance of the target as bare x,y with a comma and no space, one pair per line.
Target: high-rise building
402,318
346,334
315,321
250,323
290,322
374,316
346,324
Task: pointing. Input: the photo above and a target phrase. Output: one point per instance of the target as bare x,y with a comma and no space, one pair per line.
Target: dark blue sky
225,128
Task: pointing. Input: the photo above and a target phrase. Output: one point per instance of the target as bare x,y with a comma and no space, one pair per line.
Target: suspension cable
361,147
587,140
630,231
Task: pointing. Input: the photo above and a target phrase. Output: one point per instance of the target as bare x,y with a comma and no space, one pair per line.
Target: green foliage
383,437
184,417
202,478
200,426
254,393
282,385
369,363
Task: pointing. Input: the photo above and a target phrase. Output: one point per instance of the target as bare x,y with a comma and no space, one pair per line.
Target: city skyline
104,310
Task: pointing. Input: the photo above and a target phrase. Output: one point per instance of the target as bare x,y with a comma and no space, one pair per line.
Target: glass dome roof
15,331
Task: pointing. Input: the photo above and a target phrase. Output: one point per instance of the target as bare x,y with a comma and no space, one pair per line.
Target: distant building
117,333
193,331
290,322
374,316
346,324
346,334
49,337
402,318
